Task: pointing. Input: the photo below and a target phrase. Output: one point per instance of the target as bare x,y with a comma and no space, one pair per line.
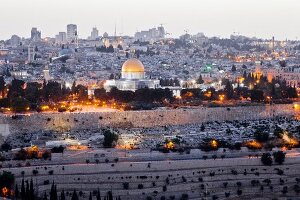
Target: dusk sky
261,18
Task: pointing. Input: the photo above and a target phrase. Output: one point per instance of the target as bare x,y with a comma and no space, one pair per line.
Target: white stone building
132,77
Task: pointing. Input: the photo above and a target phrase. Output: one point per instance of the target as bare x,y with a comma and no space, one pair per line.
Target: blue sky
263,18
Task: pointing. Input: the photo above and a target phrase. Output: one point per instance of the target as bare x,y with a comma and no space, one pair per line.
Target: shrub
184,197
225,184
126,185
239,192
35,172
227,194
261,136
164,188
50,172
266,159
140,186
110,138
279,157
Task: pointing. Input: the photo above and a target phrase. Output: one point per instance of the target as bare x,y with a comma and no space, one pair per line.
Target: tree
16,89
291,92
62,195
200,80
90,197
257,95
101,94
278,132
33,93
31,190
110,138
52,91
73,88
20,104
266,159
233,68
82,92
74,195
279,157
228,90
45,196
53,192
5,147
2,85
21,155
98,197
23,192
17,192
261,136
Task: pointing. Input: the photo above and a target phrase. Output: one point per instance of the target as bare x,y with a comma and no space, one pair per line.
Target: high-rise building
161,32
71,33
94,34
61,38
151,34
35,34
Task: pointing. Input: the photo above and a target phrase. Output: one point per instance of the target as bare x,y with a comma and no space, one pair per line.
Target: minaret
115,34
47,76
273,44
31,53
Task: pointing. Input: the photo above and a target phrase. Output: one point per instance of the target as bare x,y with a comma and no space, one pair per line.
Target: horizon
251,18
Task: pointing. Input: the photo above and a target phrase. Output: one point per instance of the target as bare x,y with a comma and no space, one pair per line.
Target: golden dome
133,65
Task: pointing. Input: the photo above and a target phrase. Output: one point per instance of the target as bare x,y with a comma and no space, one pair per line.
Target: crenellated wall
65,121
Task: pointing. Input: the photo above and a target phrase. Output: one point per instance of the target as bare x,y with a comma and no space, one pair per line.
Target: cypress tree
91,197
109,195
23,190
17,193
27,193
74,196
98,195
53,192
45,196
31,190
62,195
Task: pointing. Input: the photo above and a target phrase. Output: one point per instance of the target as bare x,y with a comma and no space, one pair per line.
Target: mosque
132,77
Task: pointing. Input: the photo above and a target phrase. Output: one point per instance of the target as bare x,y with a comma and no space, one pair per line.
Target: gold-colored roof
133,65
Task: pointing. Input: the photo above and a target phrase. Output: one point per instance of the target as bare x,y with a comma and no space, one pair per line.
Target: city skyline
213,17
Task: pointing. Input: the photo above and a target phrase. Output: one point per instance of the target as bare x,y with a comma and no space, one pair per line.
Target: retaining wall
152,118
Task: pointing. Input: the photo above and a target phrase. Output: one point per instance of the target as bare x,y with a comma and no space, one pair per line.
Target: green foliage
110,138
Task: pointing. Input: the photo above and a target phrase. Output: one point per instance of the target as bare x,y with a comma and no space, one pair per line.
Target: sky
260,18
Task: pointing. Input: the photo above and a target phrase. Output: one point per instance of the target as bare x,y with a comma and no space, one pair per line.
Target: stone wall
80,121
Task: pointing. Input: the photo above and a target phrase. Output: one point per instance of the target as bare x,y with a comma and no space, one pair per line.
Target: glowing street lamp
221,97
5,191
214,144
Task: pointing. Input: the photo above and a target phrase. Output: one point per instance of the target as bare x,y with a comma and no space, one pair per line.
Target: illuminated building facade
132,77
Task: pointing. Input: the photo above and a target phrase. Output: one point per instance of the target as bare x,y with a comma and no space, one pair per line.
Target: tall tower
31,53
273,44
47,76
